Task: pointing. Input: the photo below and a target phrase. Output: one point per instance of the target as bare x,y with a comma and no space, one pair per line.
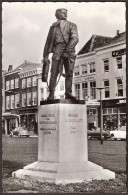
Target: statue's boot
51,96
68,87
52,88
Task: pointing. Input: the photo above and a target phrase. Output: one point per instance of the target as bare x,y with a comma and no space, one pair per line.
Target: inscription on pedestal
47,122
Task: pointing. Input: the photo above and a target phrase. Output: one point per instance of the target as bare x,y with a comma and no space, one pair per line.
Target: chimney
10,67
117,32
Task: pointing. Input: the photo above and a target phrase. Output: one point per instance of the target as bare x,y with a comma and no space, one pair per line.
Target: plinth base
63,173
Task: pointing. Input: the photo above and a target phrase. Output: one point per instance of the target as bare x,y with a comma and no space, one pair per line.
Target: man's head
61,14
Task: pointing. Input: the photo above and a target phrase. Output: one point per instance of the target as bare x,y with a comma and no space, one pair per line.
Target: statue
61,41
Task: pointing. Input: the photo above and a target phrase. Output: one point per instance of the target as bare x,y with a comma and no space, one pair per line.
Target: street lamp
101,126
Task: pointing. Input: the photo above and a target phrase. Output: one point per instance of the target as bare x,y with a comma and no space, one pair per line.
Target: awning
8,114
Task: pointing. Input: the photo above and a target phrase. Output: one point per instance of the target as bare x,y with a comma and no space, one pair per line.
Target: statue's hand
46,60
66,55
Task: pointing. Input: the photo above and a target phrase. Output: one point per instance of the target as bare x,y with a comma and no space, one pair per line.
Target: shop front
92,114
28,118
114,114
10,121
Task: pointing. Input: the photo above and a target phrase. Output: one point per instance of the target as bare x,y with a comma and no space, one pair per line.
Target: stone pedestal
62,146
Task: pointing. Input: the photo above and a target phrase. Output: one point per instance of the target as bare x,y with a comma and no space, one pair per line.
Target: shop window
16,100
7,85
17,83
34,98
34,81
122,110
119,62
122,117
109,110
106,65
85,90
12,101
119,87
104,111
29,100
106,90
61,85
8,105
92,67
23,83
12,84
92,90
76,71
24,100
114,110
29,82
84,68
77,91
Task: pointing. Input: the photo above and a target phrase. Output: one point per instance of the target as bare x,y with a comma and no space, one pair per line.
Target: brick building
23,91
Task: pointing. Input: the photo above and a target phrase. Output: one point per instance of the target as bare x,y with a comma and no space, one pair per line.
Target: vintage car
20,132
97,134
118,134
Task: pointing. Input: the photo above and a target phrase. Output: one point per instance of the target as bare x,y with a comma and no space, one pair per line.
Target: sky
25,26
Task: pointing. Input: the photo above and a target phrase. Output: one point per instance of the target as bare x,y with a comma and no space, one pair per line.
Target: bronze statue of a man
61,41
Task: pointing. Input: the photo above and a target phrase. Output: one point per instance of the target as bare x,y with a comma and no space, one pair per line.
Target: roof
97,41
27,66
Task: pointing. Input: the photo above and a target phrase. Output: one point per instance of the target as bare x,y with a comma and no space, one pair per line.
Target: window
34,98
106,86
17,83
92,67
107,111
61,85
8,105
12,84
12,101
91,112
122,110
119,87
34,79
76,70
29,100
106,65
7,85
29,82
42,94
16,100
77,91
23,83
119,62
85,90
92,90
84,69
23,99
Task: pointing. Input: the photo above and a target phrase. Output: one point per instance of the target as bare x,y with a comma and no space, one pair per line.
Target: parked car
118,133
95,133
20,132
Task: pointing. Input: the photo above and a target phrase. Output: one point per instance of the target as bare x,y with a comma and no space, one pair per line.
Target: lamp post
101,122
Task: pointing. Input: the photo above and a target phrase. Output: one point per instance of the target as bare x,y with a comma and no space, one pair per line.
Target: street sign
92,103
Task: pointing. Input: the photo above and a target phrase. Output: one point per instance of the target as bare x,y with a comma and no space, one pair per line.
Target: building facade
24,89
102,63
